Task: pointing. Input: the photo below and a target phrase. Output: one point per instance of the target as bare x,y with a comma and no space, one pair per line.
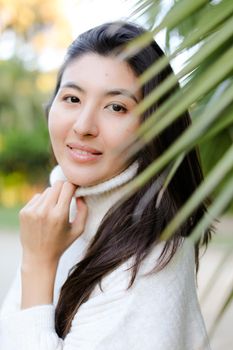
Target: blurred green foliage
24,141
24,90
9,217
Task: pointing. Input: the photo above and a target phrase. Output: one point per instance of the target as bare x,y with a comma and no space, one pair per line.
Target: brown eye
72,99
117,108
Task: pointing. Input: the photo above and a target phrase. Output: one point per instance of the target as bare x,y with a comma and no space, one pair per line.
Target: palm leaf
217,14
186,140
211,181
206,90
177,13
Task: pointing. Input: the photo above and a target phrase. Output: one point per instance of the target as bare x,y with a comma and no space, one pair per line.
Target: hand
45,230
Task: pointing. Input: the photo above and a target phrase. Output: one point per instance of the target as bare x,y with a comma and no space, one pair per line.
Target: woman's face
91,116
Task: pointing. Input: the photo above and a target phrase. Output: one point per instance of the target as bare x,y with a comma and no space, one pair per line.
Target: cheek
56,124
119,132
129,127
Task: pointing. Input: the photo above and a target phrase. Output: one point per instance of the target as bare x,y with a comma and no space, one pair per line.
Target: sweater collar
100,188
100,197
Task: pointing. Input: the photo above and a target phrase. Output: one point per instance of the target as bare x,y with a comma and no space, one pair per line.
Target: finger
40,200
46,198
65,197
78,225
33,200
51,196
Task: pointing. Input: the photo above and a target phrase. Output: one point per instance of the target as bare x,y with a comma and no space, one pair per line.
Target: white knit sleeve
12,300
30,329
34,329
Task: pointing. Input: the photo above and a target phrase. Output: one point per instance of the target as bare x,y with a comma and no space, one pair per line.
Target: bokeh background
34,35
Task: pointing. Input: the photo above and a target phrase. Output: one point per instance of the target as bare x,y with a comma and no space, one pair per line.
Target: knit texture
159,312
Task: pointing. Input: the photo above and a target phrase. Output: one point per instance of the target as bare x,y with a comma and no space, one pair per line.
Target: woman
95,274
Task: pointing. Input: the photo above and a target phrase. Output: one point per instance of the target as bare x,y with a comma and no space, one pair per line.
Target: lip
77,146
90,155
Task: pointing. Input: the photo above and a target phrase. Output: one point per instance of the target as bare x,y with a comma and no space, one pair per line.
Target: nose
86,122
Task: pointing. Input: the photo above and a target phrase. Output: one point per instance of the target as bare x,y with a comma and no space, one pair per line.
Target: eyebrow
113,92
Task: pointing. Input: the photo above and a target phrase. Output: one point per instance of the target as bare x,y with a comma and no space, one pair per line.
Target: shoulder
181,263
179,271
173,282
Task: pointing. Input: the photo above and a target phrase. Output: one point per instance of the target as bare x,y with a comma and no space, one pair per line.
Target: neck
99,198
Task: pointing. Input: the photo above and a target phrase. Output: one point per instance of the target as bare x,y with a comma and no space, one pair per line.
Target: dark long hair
130,237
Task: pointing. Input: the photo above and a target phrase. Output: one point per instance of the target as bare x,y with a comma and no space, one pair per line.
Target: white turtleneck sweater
159,312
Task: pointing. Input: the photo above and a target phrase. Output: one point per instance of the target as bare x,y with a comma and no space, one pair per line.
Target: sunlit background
34,35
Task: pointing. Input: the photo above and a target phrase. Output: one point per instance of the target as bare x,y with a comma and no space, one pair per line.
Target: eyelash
123,109
70,97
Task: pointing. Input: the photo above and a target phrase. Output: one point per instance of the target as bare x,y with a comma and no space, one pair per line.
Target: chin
82,181
79,181
86,177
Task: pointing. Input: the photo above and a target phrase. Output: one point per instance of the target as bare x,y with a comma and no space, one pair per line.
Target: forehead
100,72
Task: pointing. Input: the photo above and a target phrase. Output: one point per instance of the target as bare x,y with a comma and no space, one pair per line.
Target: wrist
38,278
30,262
